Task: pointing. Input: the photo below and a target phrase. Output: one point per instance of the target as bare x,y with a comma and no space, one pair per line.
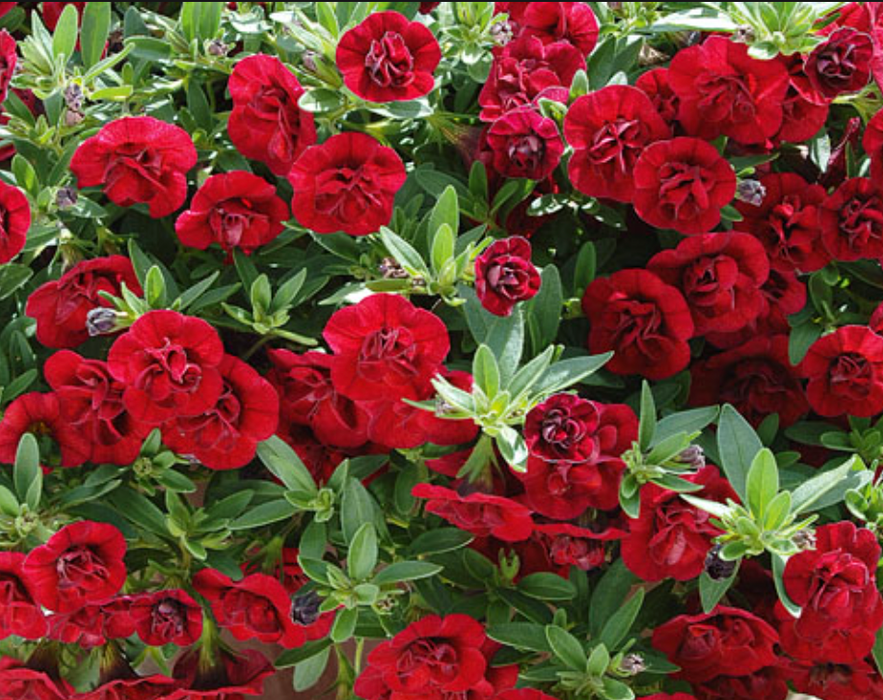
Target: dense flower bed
441,351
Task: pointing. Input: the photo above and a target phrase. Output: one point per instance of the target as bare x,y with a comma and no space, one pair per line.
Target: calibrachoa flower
40,415
387,58
8,61
504,275
801,119
479,513
15,219
17,682
851,219
166,617
347,184
608,130
525,144
20,615
81,563
94,624
61,306
266,123
137,160
842,64
229,677
573,22
234,210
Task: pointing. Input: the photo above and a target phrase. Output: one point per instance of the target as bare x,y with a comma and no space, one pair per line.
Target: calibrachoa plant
441,351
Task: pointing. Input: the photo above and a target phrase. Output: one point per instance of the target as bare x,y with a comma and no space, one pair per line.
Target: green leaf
547,586
404,253
833,481
191,294
566,647
520,635
778,569
321,100
619,624
264,514
446,211
200,20
285,465
155,288
362,555
800,340
27,475
543,312
512,447
762,482
609,595
777,511
566,373
647,425
13,278
616,690
586,265
877,650
443,243
140,510
64,39
308,672
445,539
406,571
357,506
9,504
737,445
292,657
344,625
689,421
94,31
711,591
485,372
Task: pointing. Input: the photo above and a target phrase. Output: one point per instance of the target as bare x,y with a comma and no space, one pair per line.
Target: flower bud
717,568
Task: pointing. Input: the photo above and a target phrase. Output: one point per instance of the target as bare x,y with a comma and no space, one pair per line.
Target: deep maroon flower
728,641
386,58
81,563
255,607
767,683
835,586
872,143
682,184
654,83
608,130
384,346
235,210
481,514
40,415
851,219
504,275
563,490
60,306
15,219
266,124
845,372
155,687
787,222
346,184
8,61
756,378
801,119
573,22
857,680
18,682
20,614
226,435
525,70
842,64
92,625
166,617
432,656
568,545
169,364
91,402
671,538
644,321
722,90
137,160
720,275
562,429
525,144
229,677
308,397
427,7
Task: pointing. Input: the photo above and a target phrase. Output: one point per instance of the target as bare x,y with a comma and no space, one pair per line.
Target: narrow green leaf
762,482
566,647
292,657
619,624
406,571
485,372
362,555
308,672
647,426
94,31
737,444
547,586
27,474
778,570
285,465
811,491
64,39
264,514
711,591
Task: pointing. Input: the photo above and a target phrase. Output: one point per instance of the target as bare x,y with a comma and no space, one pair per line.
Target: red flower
608,130
226,435
91,403
20,615
235,210
564,490
155,687
504,275
81,563
654,83
666,696
563,429
15,220
643,320
231,676
801,119
573,22
384,346
671,538
386,58
835,586
851,219
40,415
137,160
523,693
857,680
720,275
872,143
525,144
346,184
728,641
20,683
266,124
845,372
52,12
756,378
308,397
432,656
767,683
166,617
60,306
92,625
787,222
481,514
840,65
169,364
255,607
8,61
722,90
682,184
568,545
525,70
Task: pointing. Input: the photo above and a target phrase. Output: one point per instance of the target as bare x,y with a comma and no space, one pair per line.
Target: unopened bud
751,192
73,97
218,48
694,456
717,568
633,664
66,197
502,33
72,117
390,269
743,35
309,61
101,321
805,539
305,608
